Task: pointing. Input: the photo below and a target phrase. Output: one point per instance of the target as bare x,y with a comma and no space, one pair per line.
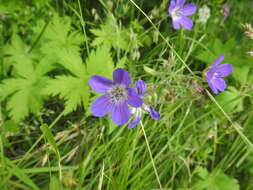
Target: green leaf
216,48
73,90
26,97
58,35
151,71
50,138
111,34
202,172
100,62
58,29
9,127
11,85
55,184
63,45
18,105
122,62
231,100
217,180
241,73
16,47
45,65
18,172
23,93
17,52
72,61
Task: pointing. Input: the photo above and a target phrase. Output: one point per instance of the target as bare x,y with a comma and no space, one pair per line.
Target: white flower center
176,13
118,94
216,75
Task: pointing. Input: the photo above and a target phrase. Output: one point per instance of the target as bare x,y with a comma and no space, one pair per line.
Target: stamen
118,94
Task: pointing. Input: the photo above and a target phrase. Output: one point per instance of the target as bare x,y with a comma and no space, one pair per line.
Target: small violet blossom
179,12
117,96
141,90
216,74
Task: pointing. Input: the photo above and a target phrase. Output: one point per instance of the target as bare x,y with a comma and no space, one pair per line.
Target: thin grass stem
151,157
245,139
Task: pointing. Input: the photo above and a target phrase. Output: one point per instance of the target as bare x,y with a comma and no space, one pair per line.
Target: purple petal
224,69
120,113
100,84
136,120
101,106
189,9
212,87
154,114
186,22
176,24
133,98
220,84
121,76
218,60
180,2
172,6
141,87
210,73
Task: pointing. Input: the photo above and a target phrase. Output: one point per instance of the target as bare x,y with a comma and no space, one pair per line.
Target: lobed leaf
73,90
100,62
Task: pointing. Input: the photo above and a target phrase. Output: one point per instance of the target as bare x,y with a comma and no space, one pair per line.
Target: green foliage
23,90
119,37
111,34
8,6
100,62
18,172
73,90
55,184
215,49
231,100
49,137
59,35
217,180
17,52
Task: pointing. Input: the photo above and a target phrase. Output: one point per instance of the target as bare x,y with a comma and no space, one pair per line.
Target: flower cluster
141,87
117,97
122,101
179,11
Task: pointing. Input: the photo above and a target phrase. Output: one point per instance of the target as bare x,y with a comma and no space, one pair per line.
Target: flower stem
151,157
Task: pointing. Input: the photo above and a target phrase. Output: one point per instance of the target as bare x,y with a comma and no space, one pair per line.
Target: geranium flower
179,12
216,74
117,96
141,90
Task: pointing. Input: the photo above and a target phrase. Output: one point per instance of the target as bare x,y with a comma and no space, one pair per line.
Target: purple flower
117,96
216,74
179,12
141,90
